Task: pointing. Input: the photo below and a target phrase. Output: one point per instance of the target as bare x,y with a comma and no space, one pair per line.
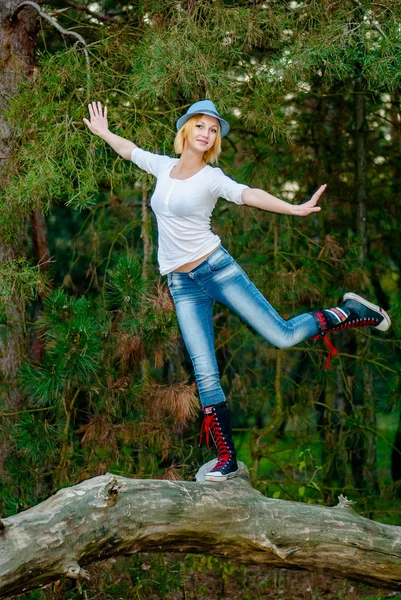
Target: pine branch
97,15
63,31
379,116
374,24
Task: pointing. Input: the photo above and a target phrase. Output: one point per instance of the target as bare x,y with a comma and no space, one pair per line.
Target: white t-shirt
183,208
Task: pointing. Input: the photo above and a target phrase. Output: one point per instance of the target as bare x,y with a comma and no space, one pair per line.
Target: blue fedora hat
204,107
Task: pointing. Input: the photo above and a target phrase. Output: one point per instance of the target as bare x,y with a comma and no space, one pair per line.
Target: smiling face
203,135
200,134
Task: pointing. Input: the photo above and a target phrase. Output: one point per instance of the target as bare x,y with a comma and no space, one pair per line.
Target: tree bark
396,187
364,457
360,166
396,459
146,233
109,515
17,46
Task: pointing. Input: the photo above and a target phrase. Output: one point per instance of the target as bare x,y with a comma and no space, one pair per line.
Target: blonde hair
211,155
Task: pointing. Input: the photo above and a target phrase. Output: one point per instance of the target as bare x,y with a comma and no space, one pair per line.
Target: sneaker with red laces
216,423
355,312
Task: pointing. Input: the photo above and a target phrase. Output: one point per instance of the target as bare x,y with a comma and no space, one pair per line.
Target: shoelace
210,425
332,351
205,428
355,323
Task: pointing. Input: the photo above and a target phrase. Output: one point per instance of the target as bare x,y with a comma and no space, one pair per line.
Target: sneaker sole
216,477
385,324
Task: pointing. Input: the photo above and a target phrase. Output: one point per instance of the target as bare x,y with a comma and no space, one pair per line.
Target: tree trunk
146,233
360,166
17,45
110,515
364,459
396,459
396,187
41,252
330,422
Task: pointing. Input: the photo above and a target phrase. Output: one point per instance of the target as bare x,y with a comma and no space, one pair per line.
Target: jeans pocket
219,262
170,280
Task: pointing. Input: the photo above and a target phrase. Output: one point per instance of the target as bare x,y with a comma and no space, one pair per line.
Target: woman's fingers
307,210
311,205
97,122
319,192
95,109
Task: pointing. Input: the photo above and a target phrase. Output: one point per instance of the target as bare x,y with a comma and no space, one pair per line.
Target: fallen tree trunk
110,515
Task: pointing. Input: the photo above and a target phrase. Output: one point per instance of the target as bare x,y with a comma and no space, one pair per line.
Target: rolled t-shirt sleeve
147,161
222,186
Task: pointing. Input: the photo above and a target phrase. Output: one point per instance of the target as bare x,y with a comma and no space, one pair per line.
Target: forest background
94,375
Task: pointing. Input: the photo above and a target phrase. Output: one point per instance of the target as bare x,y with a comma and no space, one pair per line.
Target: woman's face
203,134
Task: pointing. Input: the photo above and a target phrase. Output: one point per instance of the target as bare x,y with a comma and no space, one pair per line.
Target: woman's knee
284,344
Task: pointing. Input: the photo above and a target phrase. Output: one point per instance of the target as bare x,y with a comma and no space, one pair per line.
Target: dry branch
110,515
55,24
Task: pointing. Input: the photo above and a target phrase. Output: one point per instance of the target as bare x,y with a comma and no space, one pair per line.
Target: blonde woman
200,271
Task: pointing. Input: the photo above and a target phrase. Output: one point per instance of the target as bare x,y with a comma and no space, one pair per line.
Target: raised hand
305,209
98,123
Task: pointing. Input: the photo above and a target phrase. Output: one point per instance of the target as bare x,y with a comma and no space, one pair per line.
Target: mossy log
109,516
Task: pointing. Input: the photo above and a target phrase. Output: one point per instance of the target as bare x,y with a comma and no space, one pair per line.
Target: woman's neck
190,162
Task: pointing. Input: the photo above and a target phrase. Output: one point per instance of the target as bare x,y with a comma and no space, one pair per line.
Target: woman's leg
232,287
194,311
195,315
229,284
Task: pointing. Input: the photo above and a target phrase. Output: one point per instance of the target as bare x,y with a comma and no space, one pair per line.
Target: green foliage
55,161
126,286
72,332
104,391
94,376
20,279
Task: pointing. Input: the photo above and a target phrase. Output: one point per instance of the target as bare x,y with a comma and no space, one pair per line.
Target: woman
200,271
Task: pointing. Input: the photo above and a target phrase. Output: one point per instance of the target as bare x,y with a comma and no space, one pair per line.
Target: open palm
305,209
98,123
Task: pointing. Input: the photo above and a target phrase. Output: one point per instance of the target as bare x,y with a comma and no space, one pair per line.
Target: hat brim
224,126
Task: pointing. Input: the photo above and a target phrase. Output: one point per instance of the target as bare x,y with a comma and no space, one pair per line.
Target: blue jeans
220,279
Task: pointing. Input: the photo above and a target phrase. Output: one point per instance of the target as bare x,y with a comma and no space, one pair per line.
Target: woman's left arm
265,201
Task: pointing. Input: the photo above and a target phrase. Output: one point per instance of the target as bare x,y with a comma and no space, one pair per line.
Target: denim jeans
220,279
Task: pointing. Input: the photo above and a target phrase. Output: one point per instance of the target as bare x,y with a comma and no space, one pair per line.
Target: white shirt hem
189,259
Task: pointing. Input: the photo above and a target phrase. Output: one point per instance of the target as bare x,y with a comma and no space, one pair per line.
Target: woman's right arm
98,125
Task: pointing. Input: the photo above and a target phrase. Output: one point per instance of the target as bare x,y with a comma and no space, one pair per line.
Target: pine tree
102,392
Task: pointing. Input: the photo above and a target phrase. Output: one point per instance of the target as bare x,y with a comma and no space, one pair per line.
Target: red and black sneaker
355,312
217,423
366,313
